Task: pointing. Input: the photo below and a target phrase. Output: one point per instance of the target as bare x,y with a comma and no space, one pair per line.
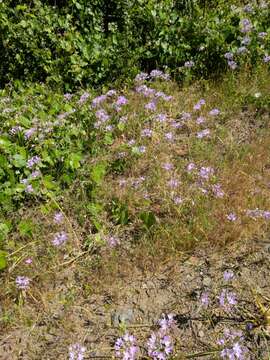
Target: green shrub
95,42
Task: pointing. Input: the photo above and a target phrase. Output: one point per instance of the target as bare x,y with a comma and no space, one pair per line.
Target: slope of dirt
138,300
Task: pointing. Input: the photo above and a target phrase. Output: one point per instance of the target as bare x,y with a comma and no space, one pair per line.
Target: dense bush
82,42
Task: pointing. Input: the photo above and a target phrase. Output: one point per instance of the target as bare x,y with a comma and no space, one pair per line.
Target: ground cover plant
95,182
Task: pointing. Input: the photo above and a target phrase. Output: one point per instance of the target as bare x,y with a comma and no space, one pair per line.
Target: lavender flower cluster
233,347
159,345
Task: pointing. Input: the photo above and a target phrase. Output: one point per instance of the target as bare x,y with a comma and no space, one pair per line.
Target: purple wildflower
176,124
159,94
199,104
35,174
102,115
231,217
112,241
191,167
228,56
266,215
68,96
205,299
109,128
131,142
126,348
245,26
197,107
167,322
158,74
185,116
83,98
58,217
167,97
246,40
248,9
266,59
159,346
28,133
76,352
141,149
214,112
262,35
258,214
151,106
217,191
15,130
111,93
28,261
121,100
146,91
242,50
206,172
189,64
29,189
200,120
169,136
167,166
177,200
33,161
59,238
22,282
233,347
146,133
227,299
98,100
203,133
141,77
161,117
232,64
228,275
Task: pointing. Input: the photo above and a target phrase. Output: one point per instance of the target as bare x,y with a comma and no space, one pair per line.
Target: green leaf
74,161
3,260
148,219
26,228
4,230
98,172
19,161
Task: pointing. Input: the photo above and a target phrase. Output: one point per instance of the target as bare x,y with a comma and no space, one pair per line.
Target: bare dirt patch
135,301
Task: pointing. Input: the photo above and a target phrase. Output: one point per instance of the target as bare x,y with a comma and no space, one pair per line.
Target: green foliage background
82,42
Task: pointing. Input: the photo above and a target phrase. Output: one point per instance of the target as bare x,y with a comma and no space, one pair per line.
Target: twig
15,264
21,248
72,260
201,354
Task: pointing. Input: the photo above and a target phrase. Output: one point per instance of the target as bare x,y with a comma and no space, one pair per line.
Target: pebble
207,281
122,316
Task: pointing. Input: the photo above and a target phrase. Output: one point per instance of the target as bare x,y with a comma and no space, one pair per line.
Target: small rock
122,316
201,334
207,281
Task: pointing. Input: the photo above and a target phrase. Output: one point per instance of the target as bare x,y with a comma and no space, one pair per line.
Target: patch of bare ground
74,310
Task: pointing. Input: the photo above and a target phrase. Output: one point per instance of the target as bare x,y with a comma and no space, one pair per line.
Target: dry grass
237,150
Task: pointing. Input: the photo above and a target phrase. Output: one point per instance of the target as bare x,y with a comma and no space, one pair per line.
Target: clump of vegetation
100,173
76,43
